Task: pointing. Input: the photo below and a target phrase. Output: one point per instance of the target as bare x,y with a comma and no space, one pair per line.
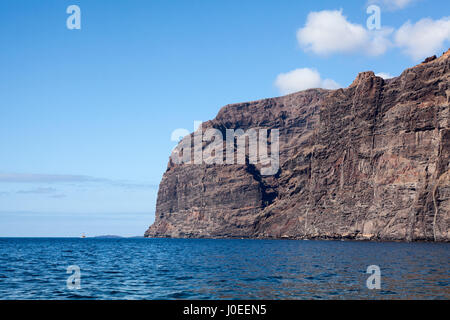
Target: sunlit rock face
370,161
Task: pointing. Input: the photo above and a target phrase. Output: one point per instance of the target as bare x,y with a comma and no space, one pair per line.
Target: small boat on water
83,236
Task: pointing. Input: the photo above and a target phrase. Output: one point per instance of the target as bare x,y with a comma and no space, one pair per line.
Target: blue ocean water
36,268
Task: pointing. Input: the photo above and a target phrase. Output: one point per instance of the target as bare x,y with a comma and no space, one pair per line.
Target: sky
86,115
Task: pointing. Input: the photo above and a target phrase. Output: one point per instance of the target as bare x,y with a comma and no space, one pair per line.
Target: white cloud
302,79
400,4
38,191
384,75
327,32
424,38
45,178
68,178
393,4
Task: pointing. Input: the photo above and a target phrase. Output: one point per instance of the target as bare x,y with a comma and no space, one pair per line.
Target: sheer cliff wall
370,161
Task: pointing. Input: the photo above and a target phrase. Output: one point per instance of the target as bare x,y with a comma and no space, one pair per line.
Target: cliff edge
370,161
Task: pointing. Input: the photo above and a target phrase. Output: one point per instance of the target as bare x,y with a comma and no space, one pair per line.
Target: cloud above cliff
423,38
384,75
392,4
327,32
302,79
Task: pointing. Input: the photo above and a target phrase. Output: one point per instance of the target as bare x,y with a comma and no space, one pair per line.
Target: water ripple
221,269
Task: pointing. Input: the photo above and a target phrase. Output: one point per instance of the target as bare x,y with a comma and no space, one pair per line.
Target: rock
429,59
370,161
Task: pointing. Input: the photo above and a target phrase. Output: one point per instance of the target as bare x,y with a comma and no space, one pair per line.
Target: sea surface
36,268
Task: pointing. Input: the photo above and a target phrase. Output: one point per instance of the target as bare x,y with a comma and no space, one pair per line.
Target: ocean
47,268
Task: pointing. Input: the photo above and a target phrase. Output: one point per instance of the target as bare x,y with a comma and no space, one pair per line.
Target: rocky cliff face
367,162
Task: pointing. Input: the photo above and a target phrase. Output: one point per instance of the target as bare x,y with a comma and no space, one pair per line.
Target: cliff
370,161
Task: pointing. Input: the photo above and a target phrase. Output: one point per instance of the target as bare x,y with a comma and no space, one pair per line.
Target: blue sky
86,115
